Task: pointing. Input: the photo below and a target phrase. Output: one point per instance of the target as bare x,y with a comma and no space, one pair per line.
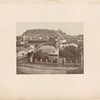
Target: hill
45,33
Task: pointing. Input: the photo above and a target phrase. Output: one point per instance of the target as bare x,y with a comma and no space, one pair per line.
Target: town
41,51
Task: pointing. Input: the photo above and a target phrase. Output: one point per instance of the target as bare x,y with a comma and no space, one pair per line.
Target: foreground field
23,67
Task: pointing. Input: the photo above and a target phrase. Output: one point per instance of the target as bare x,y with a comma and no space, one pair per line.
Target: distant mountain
45,32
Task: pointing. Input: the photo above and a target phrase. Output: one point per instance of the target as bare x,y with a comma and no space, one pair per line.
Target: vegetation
69,52
45,33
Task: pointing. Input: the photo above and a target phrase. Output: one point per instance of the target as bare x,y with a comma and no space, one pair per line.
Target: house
32,46
73,44
40,38
47,49
62,41
22,42
22,52
66,44
52,52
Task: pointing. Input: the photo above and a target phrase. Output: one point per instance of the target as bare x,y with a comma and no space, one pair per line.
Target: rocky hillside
45,32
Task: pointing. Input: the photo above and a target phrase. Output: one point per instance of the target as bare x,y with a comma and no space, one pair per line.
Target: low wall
58,62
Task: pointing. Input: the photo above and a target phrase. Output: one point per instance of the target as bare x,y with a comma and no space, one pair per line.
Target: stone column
40,60
51,61
30,59
57,61
70,61
64,60
46,61
36,60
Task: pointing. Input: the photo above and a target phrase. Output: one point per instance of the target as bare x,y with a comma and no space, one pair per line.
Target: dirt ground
24,67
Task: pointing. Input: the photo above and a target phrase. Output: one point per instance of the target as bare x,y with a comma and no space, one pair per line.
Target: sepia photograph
50,48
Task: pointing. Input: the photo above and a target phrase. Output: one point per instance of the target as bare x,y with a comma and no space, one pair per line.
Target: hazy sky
70,28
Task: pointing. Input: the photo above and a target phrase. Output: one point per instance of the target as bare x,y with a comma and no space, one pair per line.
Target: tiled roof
23,49
47,49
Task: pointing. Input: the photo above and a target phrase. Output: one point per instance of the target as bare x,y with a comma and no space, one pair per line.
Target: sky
70,28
